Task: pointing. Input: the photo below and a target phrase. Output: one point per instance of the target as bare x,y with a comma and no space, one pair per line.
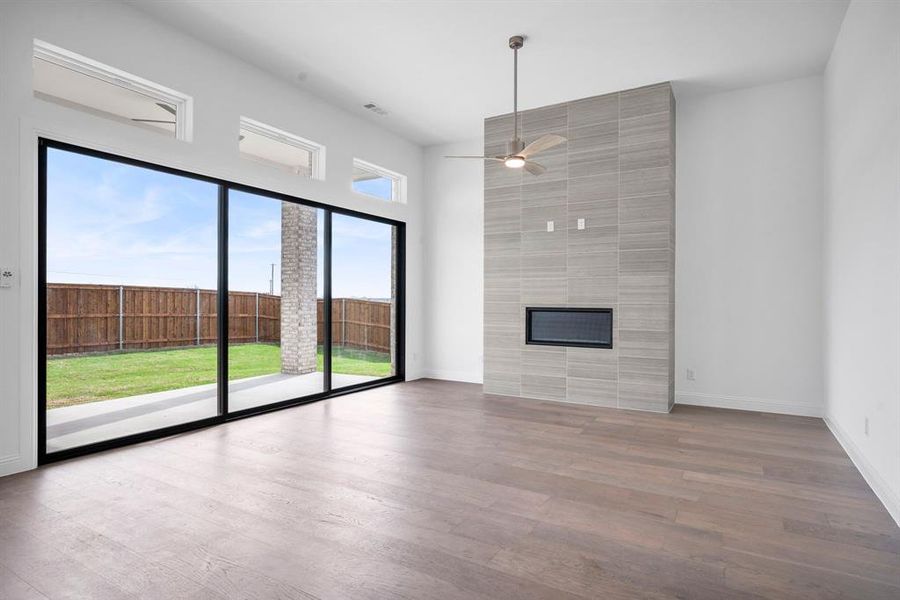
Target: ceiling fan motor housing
515,146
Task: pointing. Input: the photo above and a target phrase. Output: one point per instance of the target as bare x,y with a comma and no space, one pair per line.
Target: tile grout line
568,298
618,224
521,332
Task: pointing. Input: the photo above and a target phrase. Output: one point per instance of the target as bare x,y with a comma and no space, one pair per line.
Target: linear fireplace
580,327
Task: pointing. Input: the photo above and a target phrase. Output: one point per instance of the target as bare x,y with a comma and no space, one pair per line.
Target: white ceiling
440,67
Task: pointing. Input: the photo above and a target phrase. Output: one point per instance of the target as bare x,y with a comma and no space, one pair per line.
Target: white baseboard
463,376
9,465
747,403
881,488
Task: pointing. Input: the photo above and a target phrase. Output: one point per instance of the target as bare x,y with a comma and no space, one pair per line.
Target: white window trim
398,187
316,150
182,102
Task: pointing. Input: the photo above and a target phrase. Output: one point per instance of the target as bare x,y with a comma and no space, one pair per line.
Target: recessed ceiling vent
375,109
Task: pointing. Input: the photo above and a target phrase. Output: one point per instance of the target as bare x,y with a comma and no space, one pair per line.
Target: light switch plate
580,223
549,226
6,277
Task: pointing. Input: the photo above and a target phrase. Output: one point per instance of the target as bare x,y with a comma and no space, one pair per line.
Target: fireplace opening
580,327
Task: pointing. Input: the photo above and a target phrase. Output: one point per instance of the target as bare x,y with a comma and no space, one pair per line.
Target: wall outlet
549,226
690,375
580,223
6,277
866,426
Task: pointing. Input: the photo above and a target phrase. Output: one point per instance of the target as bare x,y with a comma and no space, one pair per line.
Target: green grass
349,361
81,379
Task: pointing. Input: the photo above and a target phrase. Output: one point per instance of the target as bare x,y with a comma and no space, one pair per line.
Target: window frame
224,414
91,68
398,185
315,149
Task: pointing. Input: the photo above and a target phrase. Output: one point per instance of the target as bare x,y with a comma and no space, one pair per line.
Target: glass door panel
364,303
130,299
275,301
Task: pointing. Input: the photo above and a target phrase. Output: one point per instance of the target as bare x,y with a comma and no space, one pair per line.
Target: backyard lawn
81,379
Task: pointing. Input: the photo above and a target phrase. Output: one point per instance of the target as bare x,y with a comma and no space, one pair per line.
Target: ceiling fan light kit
517,153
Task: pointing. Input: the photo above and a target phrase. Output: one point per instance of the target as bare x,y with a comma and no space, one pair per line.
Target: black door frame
224,415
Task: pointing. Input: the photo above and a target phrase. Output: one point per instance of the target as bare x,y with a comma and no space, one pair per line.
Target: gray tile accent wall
617,171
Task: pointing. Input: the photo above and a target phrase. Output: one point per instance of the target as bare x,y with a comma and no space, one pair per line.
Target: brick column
298,288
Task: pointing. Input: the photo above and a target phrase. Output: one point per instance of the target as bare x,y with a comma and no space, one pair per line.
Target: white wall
862,242
748,248
223,89
748,213
454,248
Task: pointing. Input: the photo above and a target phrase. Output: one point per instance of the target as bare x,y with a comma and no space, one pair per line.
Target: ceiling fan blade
166,108
534,168
545,142
500,158
152,121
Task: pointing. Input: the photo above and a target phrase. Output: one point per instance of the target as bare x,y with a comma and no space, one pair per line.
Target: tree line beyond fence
83,318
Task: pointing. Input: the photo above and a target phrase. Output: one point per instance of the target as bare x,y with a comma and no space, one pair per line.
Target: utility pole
272,281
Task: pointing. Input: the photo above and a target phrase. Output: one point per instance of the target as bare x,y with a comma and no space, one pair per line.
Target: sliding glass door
275,300
363,301
170,301
131,297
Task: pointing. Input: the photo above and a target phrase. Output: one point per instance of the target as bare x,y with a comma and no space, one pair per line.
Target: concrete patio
74,426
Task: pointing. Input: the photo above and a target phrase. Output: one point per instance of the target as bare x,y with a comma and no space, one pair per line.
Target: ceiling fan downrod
516,145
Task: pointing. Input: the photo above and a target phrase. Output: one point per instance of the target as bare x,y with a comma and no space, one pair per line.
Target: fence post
343,321
257,317
121,317
198,315
368,310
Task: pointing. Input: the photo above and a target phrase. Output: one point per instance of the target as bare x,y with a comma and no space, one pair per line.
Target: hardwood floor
434,490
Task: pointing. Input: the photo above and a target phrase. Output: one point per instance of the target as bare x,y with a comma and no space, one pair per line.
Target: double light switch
551,226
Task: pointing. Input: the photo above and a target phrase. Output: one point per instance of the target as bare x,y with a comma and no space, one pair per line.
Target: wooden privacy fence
84,318
364,324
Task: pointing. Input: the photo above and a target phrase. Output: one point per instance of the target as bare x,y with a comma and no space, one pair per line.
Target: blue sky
117,224
380,188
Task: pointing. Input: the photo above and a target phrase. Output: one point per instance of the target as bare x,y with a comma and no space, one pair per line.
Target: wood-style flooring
433,490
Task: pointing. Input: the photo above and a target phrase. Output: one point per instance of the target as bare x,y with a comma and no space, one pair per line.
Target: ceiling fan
518,155
166,108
